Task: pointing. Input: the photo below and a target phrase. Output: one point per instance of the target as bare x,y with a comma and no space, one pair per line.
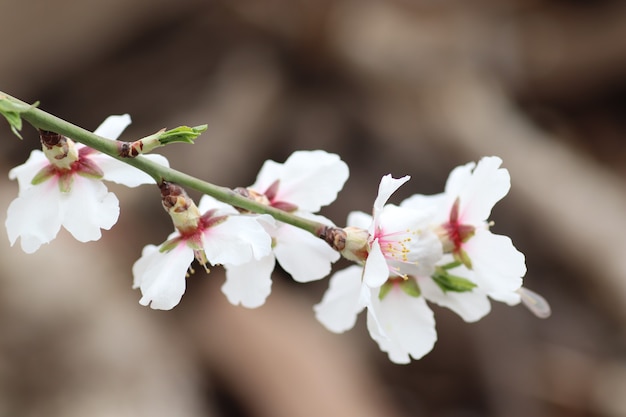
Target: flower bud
181,208
351,242
60,150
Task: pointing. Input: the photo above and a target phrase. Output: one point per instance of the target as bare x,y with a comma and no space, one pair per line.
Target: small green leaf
184,134
453,283
410,287
11,112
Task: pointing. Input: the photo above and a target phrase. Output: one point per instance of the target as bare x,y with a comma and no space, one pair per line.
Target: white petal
308,179
497,265
237,240
305,257
161,276
340,305
249,284
376,270
408,325
27,171
113,126
87,208
268,174
35,216
359,219
471,306
479,190
122,173
210,203
436,205
388,185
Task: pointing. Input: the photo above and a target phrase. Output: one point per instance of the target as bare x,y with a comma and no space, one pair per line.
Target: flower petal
471,305
87,208
388,185
407,324
113,126
35,216
340,305
305,257
161,276
308,179
27,171
122,173
497,265
236,240
249,284
359,219
478,190
376,270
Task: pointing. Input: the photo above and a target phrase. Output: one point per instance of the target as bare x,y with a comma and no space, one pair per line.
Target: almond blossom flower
399,245
62,186
307,181
489,260
219,236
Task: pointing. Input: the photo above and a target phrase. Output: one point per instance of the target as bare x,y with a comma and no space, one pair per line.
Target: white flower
400,245
71,195
490,261
220,236
307,181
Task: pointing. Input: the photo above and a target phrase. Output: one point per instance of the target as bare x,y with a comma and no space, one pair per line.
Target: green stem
46,121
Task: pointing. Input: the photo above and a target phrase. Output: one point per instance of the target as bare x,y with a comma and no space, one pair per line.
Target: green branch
15,110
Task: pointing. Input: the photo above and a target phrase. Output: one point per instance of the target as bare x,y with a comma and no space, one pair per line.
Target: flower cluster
247,245
428,249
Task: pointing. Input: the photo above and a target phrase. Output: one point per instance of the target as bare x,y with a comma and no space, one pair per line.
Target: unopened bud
181,208
60,150
351,242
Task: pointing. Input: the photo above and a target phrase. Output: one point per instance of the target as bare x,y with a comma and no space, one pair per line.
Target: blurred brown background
402,87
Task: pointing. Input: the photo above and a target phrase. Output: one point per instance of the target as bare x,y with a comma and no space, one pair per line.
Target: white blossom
72,196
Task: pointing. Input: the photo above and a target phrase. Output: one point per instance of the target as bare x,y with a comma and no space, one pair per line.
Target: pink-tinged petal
249,284
35,216
311,179
27,171
497,265
359,219
87,208
479,191
340,305
210,203
388,185
305,257
237,240
122,173
407,324
113,126
471,305
161,276
376,270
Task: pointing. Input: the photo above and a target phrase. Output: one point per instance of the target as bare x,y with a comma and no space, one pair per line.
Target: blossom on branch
307,181
430,248
219,236
400,245
62,186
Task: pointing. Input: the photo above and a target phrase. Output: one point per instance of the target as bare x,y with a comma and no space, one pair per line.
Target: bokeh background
403,87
